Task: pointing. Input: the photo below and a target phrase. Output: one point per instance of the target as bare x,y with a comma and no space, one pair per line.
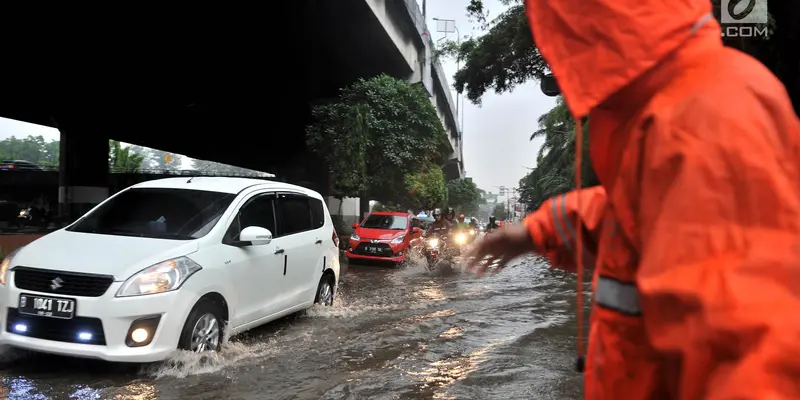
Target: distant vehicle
19,165
170,263
384,236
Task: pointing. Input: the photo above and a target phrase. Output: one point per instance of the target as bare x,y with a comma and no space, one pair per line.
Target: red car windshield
385,222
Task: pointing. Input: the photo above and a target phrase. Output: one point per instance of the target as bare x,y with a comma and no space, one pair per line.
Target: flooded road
392,334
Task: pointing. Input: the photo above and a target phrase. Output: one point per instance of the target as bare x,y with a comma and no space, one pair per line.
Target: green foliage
499,211
122,159
506,55
157,159
379,131
32,148
426,189
555,171
502,59
340,136
464,196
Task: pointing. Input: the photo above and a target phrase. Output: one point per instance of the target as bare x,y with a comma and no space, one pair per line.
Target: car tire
203,330
325,291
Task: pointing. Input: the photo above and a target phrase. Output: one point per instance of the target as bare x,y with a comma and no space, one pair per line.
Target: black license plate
44,306
372,249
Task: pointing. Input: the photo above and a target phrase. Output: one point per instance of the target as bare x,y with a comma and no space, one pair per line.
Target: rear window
385,222
317,213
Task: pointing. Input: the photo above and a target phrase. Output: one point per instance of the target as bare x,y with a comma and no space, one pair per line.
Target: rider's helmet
461,218
491,219
451,213
437,213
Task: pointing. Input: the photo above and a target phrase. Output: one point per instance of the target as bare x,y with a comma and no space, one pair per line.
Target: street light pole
446,30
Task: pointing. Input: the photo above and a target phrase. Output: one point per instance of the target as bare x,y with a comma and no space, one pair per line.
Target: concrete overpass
236,89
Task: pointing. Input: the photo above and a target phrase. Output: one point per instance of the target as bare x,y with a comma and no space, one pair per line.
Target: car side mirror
550,86
254,236
355,226
415,230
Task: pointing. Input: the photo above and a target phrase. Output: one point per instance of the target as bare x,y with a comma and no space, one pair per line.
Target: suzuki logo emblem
56,283
374,241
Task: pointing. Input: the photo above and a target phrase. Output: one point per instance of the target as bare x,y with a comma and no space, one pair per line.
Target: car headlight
162,277
4,266
355,237
461,238
433,242
398,240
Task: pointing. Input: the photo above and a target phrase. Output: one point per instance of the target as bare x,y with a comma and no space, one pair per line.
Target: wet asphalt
394,333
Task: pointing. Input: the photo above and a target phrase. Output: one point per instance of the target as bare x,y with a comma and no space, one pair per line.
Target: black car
19,165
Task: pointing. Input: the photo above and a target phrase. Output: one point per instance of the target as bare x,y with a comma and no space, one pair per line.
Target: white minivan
170,264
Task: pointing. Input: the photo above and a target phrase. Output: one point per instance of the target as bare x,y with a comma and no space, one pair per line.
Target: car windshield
179,214
385,222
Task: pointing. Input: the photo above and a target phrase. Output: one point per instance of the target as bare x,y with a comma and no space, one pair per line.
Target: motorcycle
435,245
33,216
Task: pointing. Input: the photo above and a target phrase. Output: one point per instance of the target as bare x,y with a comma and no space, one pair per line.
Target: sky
496,135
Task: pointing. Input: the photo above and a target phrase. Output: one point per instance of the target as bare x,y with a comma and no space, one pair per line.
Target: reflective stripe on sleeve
618,296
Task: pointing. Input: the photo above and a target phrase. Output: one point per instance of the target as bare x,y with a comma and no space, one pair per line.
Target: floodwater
394,333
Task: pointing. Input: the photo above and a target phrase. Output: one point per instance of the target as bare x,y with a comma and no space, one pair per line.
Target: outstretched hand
496,249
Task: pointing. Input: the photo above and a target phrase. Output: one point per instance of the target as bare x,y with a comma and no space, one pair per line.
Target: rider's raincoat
695,232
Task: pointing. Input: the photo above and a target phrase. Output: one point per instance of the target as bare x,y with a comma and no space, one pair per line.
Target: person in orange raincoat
694,232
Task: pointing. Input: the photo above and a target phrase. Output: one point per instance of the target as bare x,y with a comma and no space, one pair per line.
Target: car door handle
319,241
279,251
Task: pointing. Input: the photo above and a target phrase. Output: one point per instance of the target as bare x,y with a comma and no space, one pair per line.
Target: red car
384,236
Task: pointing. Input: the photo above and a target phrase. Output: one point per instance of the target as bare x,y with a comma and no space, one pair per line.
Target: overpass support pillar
83,174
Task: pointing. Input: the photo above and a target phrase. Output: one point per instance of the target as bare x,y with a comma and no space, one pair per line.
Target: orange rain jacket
694,232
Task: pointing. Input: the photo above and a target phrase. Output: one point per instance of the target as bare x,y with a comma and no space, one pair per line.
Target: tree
506,55
464,196
157,159
555,171
122,159
34,149
377,138
499,211
425,189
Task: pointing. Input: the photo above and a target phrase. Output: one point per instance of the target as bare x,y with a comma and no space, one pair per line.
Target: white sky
496,145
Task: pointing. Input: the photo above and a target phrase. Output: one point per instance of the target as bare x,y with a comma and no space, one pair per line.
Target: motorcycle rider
462,223
451,217
492,225
473,223
440,225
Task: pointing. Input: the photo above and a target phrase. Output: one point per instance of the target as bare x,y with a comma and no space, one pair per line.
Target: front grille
72,283
59,330
383,249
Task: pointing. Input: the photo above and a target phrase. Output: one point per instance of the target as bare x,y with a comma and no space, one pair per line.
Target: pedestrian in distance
694,231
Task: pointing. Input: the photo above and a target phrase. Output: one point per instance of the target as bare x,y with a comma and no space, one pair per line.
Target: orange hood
597,47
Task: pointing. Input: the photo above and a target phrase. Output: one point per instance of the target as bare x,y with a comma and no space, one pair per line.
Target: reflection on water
392,333
443,373
137,391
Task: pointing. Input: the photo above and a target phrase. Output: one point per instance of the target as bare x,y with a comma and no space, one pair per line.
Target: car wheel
203,328
325,291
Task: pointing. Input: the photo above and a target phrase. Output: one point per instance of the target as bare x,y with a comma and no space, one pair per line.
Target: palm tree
555,171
